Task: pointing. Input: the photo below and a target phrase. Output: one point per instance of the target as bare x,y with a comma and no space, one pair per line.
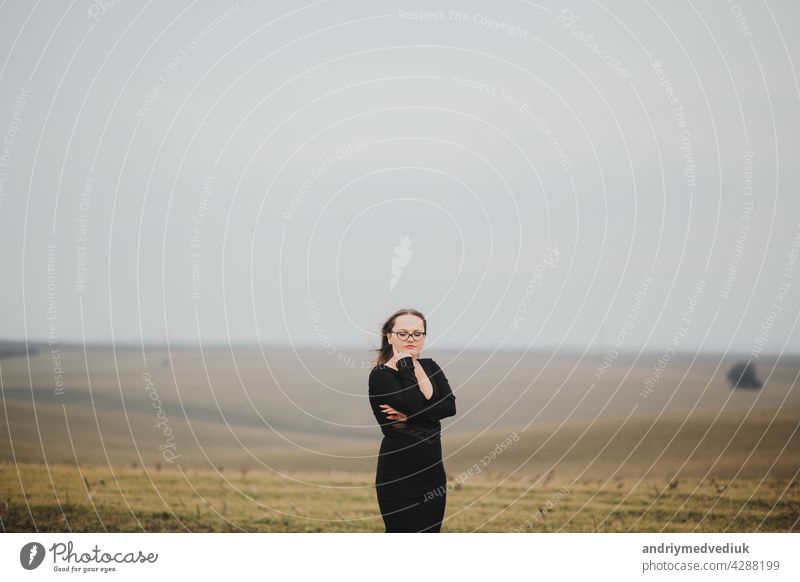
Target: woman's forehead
409,322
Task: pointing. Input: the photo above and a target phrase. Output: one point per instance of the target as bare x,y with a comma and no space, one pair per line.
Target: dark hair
385,352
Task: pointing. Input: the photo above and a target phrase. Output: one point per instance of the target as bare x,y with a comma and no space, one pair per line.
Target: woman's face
408,323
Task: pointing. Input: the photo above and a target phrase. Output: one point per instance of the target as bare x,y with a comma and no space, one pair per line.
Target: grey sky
309,140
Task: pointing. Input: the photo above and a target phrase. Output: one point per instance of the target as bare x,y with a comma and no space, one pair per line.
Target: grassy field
281,451
92,499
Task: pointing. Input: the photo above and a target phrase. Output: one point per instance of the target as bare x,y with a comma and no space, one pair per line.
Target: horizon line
558,350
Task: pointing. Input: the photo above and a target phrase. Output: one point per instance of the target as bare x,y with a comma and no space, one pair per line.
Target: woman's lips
409,346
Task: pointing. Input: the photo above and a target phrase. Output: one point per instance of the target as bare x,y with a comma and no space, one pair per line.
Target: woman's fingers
392,414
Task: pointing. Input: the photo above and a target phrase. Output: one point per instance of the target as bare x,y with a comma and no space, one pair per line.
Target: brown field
299,454
96,499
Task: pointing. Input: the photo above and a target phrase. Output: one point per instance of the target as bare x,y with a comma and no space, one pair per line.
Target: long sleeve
400,390
445,405
424,411
408,378
384,388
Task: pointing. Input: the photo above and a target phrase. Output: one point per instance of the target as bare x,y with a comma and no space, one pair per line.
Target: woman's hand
395,415
398,355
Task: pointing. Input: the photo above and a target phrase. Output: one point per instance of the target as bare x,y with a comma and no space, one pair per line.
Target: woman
409,395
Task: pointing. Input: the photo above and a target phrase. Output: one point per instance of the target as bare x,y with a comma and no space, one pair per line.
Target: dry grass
296,455
91,499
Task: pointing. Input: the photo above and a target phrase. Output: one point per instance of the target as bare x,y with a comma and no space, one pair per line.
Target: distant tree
743,375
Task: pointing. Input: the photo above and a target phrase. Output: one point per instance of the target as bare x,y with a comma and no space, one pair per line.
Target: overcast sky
582,174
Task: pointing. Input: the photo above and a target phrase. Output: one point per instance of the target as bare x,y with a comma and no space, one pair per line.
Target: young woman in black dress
409,395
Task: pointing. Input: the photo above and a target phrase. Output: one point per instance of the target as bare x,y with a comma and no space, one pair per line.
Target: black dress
410,481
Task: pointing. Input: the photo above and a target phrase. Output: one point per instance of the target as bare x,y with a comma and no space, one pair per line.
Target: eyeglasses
404,335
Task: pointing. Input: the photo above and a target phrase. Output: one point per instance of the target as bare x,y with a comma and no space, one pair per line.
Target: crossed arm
388,396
